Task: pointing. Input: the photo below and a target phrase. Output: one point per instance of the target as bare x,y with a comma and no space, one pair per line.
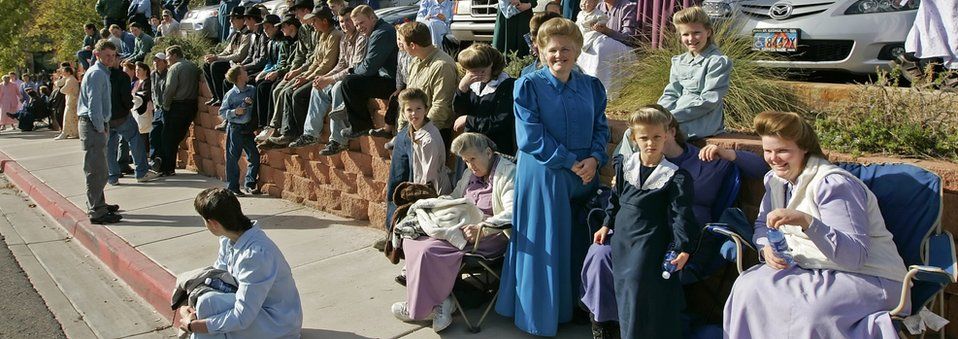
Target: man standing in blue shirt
93,109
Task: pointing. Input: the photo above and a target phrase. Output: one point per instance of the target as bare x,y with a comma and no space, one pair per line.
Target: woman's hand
586,169
772,259
785,216
460,124
523,6
467,80
601,235
472,232
714,152
187,315
680,261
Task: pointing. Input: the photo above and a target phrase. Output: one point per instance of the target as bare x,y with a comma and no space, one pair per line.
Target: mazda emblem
780,11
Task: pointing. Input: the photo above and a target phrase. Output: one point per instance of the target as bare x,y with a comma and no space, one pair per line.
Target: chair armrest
740,243
920,273
483,226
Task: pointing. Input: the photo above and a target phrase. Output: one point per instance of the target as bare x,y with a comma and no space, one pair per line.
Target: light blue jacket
233,99
267,302
696,89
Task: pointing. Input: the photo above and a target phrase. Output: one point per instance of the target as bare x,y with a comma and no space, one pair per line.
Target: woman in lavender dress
432,265
847,273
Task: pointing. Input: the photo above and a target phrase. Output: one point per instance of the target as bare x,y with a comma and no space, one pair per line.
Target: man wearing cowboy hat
237,48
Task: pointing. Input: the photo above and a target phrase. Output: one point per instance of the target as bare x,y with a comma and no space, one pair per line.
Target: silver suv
857,36
475,20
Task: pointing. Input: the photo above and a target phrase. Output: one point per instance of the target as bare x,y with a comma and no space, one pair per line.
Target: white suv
475,20
857,36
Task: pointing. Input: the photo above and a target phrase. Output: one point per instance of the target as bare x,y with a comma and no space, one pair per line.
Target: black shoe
304,140
108,218
333,148
355,134
401,279
112,208
167,174
380,133
238,193
222,126
127,170
157,165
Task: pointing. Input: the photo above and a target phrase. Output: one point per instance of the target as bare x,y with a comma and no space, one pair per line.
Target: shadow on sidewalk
289,222
319,333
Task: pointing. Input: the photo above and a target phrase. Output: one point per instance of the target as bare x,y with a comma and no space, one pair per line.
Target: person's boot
597,330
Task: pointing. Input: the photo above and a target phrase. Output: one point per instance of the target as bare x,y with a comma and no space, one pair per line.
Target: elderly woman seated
842,273
432,265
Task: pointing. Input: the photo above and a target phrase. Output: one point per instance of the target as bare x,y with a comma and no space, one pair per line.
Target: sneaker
221,126
443,314
238,193
304,140
251,190
276,142
333,148
60,137
127,170
381,133
210,102
401,279
264,134
401,311
113,182
149,176
157,165
107,218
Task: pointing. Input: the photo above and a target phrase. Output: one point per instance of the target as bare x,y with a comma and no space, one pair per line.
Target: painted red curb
147,278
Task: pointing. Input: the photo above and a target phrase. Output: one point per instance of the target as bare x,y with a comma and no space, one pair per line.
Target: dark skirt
508,36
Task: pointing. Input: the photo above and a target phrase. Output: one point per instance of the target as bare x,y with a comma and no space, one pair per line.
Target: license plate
775,39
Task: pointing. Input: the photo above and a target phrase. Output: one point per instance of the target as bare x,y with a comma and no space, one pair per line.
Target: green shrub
515,64
884,118
753,89
194,46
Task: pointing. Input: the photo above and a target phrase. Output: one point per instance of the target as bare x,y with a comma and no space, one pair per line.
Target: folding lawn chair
483,271
910,199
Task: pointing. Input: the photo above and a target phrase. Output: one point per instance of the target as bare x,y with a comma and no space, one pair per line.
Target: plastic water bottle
219,285
667,267
776,239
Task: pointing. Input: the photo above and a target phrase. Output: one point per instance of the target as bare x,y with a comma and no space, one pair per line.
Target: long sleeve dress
653,210
489,111
508,34
557,124
71,91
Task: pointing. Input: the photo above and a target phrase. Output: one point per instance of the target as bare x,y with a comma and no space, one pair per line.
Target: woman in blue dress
561,132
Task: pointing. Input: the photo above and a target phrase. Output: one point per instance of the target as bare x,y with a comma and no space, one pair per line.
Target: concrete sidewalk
345,285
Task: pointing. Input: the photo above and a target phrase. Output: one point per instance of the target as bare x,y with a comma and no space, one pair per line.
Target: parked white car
203,19
857,36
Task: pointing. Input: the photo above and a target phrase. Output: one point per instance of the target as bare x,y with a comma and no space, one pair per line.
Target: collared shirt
141,7
352,49
267,301
158,82
129,42
182,83
696,89
326,54
622,19
236,98
436,75
237,46
94,102
141,47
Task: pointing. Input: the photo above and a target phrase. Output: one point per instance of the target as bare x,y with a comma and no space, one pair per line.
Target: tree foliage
13,22
42,26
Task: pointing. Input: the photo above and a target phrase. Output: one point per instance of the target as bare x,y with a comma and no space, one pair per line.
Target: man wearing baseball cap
237,48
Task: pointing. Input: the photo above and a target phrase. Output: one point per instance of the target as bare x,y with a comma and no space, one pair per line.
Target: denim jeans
130,132
239,138
83,57
322,102
156,135
400,170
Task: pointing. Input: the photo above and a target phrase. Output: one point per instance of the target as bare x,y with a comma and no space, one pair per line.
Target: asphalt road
24,314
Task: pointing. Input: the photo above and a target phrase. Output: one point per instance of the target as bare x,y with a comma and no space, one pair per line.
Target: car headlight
880,6
717,9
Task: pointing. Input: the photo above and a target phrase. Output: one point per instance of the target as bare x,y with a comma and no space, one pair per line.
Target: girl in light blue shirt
698,79
266,303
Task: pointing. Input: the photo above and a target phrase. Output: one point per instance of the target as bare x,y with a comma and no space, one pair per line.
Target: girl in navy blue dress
651,214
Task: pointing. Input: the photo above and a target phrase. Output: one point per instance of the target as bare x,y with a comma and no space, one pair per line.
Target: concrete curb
147,278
